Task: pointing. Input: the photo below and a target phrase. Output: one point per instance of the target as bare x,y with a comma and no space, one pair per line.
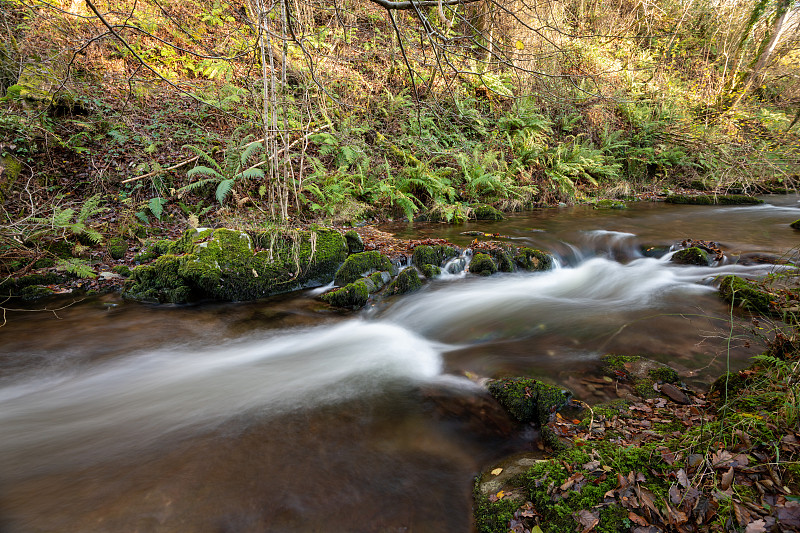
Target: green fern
225,178
77,267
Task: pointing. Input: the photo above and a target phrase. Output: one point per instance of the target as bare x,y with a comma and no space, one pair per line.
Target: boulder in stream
745,293
795,224
361,265
714,199
231,265
527,399
482,265
533,259
691,256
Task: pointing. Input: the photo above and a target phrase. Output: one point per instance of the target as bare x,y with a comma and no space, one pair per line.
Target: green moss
362,264
533,260
612,363
430,271
34,292
486,212
354,242
407,281
227,265
609,204
117,247
482,265
691,256
493,517
795,224
665,374
432,255
354,295
744,293
10,170
122,270
46,262
720,199
528,399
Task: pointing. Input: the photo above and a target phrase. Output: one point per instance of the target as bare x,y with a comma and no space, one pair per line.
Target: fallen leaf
759,526
496,471
683,479
500,495
587,519
727,479
636,519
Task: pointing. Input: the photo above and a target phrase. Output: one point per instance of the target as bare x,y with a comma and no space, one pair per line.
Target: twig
159,171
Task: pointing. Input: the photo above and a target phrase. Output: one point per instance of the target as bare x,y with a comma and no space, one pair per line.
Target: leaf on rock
496,471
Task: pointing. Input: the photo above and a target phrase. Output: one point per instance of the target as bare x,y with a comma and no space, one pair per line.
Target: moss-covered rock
34,292
609,204
405,282
533,260
691,256
433,255
486,212
122,270
355,244
717,199
10,170
482,265
527,399
745,293
353,295
15,287
117,247
795,224
361,265
233,265
430,271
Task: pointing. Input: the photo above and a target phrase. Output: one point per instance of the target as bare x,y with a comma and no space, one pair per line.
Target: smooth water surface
285,415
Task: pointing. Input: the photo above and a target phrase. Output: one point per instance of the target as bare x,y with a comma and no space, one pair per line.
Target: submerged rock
527,399
233,265
610,204
691,256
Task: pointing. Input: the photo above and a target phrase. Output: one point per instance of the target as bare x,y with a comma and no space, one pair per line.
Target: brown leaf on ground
759,526
727,479
587,519
636,519
789,516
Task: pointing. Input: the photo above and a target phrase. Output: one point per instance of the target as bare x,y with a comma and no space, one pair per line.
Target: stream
283,415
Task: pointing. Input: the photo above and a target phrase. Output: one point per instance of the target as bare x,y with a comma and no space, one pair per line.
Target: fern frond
204,171
223,189
204,156
90,207
196,185
249,174
249,151
77,267
62,219
93,235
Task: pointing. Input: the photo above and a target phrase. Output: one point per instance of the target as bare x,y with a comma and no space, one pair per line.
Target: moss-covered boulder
16,287
527,399
355,295
122,270
745,293
640,373
361,265
35,292
405,282
433,255
714,199
607,203
482,265
486,212
117,247
795,224
10,170
355,244
532,259
691,256
232,265
430,271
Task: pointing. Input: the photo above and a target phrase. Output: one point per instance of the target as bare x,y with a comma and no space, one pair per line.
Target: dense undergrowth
159,116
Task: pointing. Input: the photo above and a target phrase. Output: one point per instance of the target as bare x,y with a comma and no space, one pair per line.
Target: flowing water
284,415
